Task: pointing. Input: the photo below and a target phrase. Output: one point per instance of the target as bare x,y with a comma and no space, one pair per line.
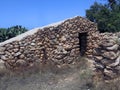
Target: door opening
83,43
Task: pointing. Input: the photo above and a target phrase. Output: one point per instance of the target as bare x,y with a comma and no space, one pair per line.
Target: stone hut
59,43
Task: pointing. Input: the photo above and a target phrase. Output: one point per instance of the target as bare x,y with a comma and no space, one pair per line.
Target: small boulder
2,49
110,55
117,61
20,63
3,57
98,57
17,54
110,73
99,66
114,47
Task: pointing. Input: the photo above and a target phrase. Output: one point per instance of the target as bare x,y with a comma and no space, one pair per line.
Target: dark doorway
83,43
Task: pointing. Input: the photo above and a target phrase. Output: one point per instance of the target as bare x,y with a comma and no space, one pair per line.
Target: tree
7,33
3,34
15,30
107,16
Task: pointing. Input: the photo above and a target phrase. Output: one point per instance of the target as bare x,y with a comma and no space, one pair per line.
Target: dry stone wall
107,56
56,43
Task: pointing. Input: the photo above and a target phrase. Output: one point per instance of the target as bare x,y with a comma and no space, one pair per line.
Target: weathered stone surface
67,47
97,51
114,47
4,57
2,49
21,63
117,68
106,62
110,54
22,56
109,73
63,38
32,44
2,53
99,57
17,54
99,66
16,50
106,44
117,61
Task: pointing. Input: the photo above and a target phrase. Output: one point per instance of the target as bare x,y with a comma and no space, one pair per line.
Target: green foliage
107,16
7,33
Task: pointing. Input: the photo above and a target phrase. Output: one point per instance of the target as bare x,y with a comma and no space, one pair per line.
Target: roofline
32,31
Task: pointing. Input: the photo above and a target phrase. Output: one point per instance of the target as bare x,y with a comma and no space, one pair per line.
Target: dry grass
77,76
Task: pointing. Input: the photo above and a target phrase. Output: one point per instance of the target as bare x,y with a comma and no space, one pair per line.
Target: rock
2,49
17,54
110,73
12,53
16,50
118,41
39,43
16,46
114,47
118,53
11,57
108,67
67,47
2,53
22,56
4,57
97,51
11,62
53,36
75,46
63,38
99,66
117,68
60,57
89,56
98,57
69,25
117,61
9,46
33,49
64,52
7,53
90,51
110,55
21,62
33,44
106,44
106,62
96,45
60,48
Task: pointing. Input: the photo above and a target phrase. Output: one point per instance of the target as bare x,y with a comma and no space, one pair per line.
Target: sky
37,13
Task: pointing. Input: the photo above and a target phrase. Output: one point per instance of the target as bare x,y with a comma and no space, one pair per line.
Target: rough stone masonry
58,43
107,56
